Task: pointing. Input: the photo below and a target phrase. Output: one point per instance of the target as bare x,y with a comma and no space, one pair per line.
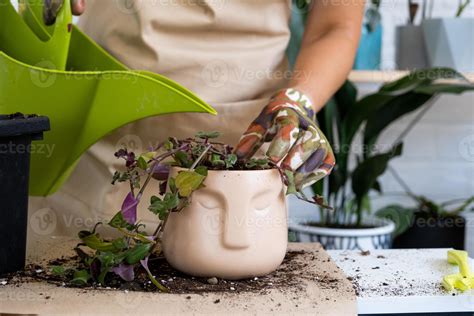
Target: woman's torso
223,50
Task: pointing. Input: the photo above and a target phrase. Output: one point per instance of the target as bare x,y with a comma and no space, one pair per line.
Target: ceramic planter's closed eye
234,227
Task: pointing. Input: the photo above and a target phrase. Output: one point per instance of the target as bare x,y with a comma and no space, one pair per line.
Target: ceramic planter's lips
16,125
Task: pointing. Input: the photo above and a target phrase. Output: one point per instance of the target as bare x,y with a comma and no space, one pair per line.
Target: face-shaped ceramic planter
234,228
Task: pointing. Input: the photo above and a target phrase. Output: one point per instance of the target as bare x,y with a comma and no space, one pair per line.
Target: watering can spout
59,72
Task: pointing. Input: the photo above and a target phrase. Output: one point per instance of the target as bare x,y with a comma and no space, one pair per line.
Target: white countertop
402,281
380,76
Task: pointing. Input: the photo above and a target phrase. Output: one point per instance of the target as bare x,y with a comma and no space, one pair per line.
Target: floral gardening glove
288,122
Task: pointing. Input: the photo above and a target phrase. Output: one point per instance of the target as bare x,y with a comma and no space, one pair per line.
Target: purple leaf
120,153
161,172
130,160
144,263
129,209
124,271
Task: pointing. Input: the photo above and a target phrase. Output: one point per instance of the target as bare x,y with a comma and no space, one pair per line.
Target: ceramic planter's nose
236,228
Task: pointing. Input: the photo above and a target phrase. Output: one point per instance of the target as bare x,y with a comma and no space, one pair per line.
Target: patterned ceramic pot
377,237
234,228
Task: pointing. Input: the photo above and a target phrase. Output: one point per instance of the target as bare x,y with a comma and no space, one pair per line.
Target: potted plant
428,224
17,132
369,54
218,216
449,40
349,225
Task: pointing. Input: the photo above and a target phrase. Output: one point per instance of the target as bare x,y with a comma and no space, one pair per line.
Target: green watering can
59,72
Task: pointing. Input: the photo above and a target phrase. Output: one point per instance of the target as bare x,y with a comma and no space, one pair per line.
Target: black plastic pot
17,131
429,232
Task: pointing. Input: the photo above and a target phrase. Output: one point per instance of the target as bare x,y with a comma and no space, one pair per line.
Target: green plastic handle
60,72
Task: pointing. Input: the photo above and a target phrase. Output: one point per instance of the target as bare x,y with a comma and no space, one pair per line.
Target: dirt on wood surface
291,275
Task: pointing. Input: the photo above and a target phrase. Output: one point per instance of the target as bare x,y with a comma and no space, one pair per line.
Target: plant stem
402,183
198,160
462,7
412,124
157,160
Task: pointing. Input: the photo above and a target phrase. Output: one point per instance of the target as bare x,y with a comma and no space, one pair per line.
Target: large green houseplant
343,120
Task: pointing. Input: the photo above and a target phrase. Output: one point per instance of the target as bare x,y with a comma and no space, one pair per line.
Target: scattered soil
291,276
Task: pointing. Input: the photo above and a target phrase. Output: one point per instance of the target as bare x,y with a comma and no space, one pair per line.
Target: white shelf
362,76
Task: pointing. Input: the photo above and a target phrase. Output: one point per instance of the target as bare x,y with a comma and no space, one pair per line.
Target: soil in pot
433,232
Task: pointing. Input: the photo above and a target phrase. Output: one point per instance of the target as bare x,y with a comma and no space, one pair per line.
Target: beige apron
229,52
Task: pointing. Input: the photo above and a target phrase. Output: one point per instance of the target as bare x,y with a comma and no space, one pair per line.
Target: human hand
288,122
52,7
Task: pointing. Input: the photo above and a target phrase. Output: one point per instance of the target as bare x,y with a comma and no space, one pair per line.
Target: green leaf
137,253
81,277
404,104
108,260
420,77
119,222
163,207
444,88
172,185
345,99
182,159
188,181
230,161
381,118
201,170
318,188
216,160
367,106
142,164
367,173
120,177
257,163
377,187
93,241
58,270
168,145
120,243
402,217
207,135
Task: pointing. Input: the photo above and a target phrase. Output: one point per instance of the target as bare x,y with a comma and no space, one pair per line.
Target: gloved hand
51,9
288,122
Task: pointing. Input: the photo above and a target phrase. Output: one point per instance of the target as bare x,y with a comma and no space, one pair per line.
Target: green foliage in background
345,115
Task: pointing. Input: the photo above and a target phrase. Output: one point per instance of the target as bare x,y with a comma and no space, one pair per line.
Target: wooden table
314,299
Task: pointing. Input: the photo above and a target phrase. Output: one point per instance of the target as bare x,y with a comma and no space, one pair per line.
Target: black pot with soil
433,232
17,132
